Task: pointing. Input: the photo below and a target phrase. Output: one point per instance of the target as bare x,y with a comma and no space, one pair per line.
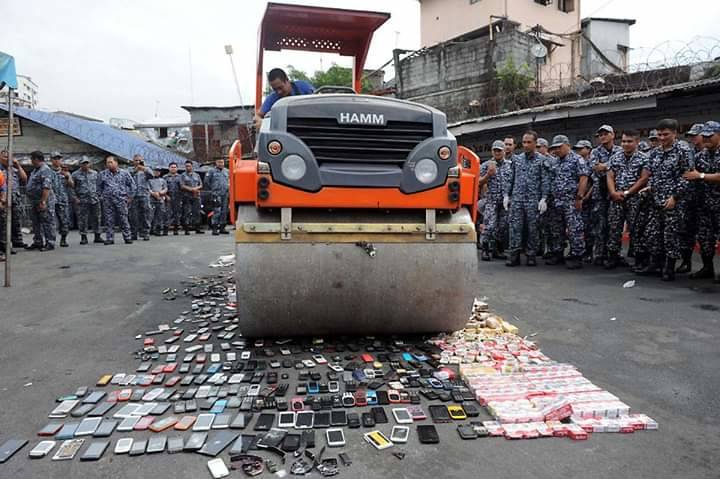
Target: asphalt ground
72,316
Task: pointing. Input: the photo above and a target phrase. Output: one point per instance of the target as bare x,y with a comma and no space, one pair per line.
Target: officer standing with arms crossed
599,161
158,195
190,185
690,204
217,180
140,208
42,201
173,203
116,188
87,201
62,182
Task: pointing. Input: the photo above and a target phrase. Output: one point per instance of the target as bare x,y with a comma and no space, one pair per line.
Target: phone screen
287,419
304,419
402,415
335,436
338,418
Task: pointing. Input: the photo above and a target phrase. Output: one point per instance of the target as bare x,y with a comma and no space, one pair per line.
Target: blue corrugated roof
102,136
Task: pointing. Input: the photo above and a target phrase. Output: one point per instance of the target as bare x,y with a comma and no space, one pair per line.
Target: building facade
26,94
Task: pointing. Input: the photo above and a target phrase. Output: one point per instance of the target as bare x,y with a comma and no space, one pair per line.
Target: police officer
158,195
173,205
568,185
690,204
509,142
493,173
190,185
17,178
41,195
599,161
644,147
140,208
546,218
217,180
525,196
628,174
707,175
62,182
116,188
584,148
653,139
668,163
87,201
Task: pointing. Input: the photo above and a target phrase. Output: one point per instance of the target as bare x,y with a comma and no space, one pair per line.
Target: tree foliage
335,76
514,84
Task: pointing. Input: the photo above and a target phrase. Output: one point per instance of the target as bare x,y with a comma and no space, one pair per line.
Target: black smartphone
439,413
95,451
322,419
264,422
308,438
427,434
353,420
217,442
291,443
379,415
106,428
471,409
338,418
101,409
382,398
241,420
368,420
467,431
10,447
195,441
272,438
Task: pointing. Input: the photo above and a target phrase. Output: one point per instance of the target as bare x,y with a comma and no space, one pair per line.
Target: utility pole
229,51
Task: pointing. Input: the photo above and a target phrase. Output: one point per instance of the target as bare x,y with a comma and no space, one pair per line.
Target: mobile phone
195,441
41,449
399,434
377,439
427,434
95,451
101,409
104,380
402,416
264,422
335,437
379,415
319,358
123,445
94,397
67,431
353,420
217,468
297,404
204,422
218,406
254,390
333,386
322,419
67,450
128,423
106,428
62,409
50,429
367,419
164,424
217,442
417,413
175,444
138,447
467,431
156,444
286,419
367,358
222,421
338,417
471,409
304,420
184,423
456,412
439,413
144,423
82,410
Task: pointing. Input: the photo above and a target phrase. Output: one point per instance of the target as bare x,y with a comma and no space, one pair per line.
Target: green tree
513,84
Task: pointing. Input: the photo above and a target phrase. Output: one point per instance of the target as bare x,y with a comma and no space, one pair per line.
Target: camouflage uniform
140,208
494,215
190,203
157,184
600,200
173,206
115,189
550,216
17,210
218,182
43,221
86,191
62,215
709,215
525,187
689,206
564,189
627,172
664,226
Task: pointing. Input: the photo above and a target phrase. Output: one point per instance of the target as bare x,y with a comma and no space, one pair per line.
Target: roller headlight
293,167
426,171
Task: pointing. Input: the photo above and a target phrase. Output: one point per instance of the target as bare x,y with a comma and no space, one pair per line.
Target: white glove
506,201
542,206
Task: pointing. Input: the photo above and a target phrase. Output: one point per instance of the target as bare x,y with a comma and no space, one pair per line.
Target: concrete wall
606,36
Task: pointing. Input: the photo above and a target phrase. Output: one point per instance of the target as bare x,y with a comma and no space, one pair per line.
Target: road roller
356,213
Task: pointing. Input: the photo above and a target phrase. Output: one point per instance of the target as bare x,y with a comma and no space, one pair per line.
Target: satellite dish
539,50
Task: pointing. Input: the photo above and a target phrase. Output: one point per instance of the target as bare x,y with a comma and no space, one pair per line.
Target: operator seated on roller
282,86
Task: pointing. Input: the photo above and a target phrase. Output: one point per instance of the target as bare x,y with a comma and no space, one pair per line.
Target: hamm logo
361,119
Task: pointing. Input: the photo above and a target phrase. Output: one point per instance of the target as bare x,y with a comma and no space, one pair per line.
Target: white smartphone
402,416
335,437
399,434
203,422
286,419
217,468
42,449
319,358
123,445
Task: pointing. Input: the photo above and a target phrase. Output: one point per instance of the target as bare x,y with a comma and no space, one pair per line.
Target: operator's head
711,134
694,134
630,141
529,141
188,166
667,132
156,172
279,82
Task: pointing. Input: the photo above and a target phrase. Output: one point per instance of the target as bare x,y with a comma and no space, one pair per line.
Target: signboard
4,122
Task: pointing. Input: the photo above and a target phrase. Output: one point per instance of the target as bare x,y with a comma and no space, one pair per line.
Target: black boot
198,231
98,238
640,262
187,232
668,273
485,252
108,242
514,259
165,232
653,267
531,261
612,262
573,262
83,239
555,259
223,231
63,241
686,265
707,271
176,231
215,232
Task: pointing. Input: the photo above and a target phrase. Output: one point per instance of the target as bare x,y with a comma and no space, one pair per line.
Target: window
566,6
544,3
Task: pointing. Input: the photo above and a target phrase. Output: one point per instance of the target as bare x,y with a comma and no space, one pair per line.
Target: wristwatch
626,193
702,176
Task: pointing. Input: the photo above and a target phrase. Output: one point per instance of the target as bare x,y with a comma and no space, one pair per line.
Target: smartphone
95,451
286,419
106,428
128,423
67,450
335,437
101,409
379,415
402,416
138,447
62,409
50,429
82,410
304,420
217,468
144,423
175,444
104,380
427,434
439,413
377,439
41,449
241,420
88,426
156,444
204,422
195,441
399,434
322,419
264,422
67,431
217,442
123,445
164,424
367,419
94,397
338,418
222,421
